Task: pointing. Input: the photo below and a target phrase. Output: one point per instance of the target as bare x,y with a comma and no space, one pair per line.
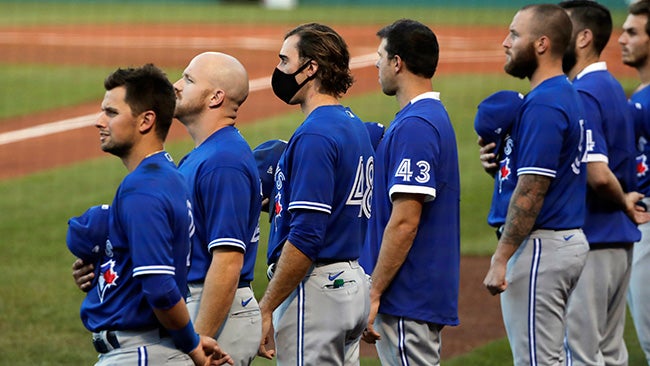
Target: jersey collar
596,66
427,95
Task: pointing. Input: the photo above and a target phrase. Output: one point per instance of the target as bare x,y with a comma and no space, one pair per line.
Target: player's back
611,141
226,198
325,169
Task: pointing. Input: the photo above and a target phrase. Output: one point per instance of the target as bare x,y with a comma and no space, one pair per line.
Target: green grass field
39,303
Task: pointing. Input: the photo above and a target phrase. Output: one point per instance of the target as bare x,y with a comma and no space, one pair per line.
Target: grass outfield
39,303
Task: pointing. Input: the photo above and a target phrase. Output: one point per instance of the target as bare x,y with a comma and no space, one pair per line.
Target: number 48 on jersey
361,193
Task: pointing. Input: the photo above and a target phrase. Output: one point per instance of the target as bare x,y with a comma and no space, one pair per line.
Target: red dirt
464,49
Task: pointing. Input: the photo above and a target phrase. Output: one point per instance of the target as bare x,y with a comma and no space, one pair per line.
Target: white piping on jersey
595,158
596,66
427,95
227,242
160,269
430,193
315,206
536,171
532,287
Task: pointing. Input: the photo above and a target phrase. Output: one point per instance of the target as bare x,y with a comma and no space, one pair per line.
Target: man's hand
495,280
487,156
208,352
83,274
370,335
266,330
637,213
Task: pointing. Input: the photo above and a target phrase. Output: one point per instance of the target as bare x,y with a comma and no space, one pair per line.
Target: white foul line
88,120
258,84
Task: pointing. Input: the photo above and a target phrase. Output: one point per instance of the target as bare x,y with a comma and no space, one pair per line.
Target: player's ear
542,45
398,63
146,121
584,38
312,68
217,98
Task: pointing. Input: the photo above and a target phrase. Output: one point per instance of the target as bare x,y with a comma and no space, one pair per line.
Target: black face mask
285,86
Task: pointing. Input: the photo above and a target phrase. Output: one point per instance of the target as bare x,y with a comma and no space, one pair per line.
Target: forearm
399,234
525,205
175,317
603,182
291,269
395,246
219,290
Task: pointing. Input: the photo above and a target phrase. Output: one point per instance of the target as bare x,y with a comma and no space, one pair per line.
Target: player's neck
139,152
411,88
316,100
581,64
545,70
644,75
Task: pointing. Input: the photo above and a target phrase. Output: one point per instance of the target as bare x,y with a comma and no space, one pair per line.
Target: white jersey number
404,171
361,193
192,230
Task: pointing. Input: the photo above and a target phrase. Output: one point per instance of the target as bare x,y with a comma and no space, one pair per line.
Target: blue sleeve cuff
307,231
161,291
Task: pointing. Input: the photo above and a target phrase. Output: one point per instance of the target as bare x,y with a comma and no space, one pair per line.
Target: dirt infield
463,50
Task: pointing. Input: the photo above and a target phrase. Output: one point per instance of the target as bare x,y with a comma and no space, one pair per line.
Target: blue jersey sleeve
151,237
226,193
540,137
414,154
596,144
313,172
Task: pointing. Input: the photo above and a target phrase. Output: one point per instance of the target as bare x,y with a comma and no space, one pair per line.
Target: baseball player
415,225
542,250
635,46
493,123
226,200
136,309
596,318
318,295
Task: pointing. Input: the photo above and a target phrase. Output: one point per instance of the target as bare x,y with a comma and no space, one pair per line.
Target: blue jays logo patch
504,171
641,165
107,278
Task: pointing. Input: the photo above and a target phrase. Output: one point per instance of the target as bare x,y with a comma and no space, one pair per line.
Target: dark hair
551,21
147,88
588,14
641,7
415,44
322,44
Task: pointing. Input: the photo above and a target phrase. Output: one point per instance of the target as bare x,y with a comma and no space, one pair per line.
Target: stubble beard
636,62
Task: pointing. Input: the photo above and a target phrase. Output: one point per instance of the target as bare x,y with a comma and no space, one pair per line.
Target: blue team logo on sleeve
504,172
107,278
641,165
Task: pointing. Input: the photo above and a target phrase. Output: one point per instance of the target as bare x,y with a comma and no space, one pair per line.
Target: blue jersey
226,200
326,167
148,235
610,139
641,105
549,140
418,154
